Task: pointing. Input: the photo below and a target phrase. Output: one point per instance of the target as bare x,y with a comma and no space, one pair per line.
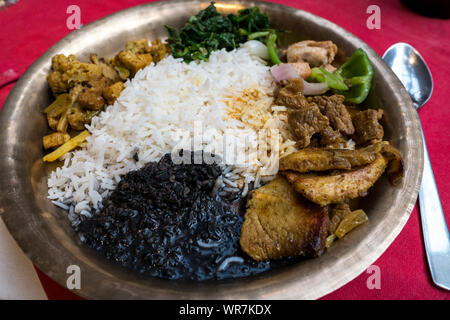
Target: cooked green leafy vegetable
209,31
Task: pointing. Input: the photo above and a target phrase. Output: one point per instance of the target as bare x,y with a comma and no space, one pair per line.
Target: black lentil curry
165,221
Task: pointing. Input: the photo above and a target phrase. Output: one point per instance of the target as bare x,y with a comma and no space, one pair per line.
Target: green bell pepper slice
357,73
353,79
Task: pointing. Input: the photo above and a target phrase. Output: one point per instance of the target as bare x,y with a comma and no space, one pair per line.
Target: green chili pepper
256,35
357,73
270,43
333,81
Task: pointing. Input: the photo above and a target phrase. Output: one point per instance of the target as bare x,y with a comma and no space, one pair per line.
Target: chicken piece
367,127
337,187
159,50
278,223
134,62
315,159
333,107
316,53
305,122
112,92
302,68
55,140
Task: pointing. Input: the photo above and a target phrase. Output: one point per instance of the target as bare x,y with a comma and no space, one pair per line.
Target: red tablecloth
28,28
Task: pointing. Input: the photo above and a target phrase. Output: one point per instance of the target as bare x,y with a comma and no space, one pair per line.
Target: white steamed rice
161,103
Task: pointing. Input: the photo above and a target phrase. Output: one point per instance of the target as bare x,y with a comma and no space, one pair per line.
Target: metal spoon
413,72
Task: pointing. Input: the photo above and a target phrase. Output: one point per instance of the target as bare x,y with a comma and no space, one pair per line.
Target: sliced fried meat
319,159
279,223
337,187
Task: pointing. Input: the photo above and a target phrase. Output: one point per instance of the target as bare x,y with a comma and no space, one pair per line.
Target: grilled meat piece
278,223
305,122
327,116
333,107
316,53
291,95
319,159
367,127
337,187
330,138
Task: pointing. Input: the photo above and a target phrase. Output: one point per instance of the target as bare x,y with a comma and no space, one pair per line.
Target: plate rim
25,242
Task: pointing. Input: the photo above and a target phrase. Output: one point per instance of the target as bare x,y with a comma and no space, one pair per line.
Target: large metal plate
45,234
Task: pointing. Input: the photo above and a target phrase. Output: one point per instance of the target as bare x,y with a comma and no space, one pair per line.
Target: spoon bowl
411,69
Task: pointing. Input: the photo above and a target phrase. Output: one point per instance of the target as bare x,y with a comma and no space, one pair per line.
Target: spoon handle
435,231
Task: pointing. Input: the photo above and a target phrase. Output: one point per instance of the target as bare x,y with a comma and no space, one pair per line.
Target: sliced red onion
314,89
284,71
